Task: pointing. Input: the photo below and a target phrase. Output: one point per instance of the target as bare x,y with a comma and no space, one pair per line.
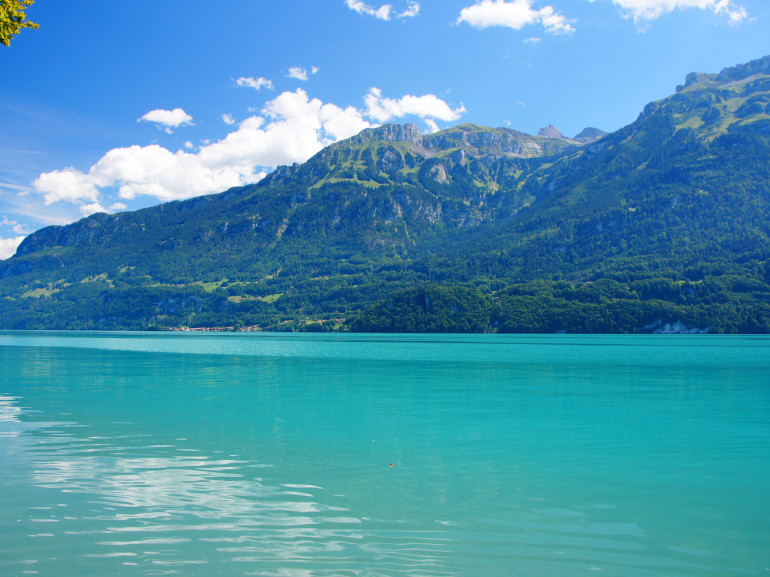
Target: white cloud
515,14
339,123
432,126
168,119
68,184
290,128
386,11
228,119
427,106
156,171
382,13
644,10
15,226
298,127
413,9
255,83
533,40
8,246
297,73
89,209
93,208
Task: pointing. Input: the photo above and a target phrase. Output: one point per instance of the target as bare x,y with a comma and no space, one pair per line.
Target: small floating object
391,465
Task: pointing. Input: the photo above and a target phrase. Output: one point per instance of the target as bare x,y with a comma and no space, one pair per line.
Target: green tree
13,19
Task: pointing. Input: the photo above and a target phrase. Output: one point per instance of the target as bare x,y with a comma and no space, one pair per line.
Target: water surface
376,455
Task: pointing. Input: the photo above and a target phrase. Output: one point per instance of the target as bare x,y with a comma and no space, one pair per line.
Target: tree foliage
13,19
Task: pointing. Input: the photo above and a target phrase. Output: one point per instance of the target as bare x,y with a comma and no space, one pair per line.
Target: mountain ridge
470,214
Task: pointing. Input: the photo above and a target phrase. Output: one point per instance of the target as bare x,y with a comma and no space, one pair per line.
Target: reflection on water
172,509
117,462
8,410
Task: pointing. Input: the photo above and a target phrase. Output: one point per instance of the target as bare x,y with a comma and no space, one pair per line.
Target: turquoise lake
296,455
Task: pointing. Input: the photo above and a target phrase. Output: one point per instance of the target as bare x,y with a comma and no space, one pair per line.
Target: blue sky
119,105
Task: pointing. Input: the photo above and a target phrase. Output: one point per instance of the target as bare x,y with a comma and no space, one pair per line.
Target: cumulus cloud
339,123
93,208
68,184
428,106
384,12
515,14
156,171
255,83
643,10
298,127
8,246
228,119
290,128
167,119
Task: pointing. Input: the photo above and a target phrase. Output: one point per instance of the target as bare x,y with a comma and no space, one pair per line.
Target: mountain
550,131
590,134
662,225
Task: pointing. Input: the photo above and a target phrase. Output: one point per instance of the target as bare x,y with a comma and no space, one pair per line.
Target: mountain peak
590,134
550,131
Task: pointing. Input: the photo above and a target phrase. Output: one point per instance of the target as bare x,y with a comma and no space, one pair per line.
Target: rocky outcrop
743,71
490,143
550,131
390,133
730,75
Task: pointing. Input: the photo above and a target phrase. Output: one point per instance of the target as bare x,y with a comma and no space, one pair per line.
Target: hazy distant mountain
661,225
590,135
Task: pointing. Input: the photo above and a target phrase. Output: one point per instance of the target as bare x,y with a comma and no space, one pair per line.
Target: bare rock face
550,131
438,173
390,133
727,76
743,71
